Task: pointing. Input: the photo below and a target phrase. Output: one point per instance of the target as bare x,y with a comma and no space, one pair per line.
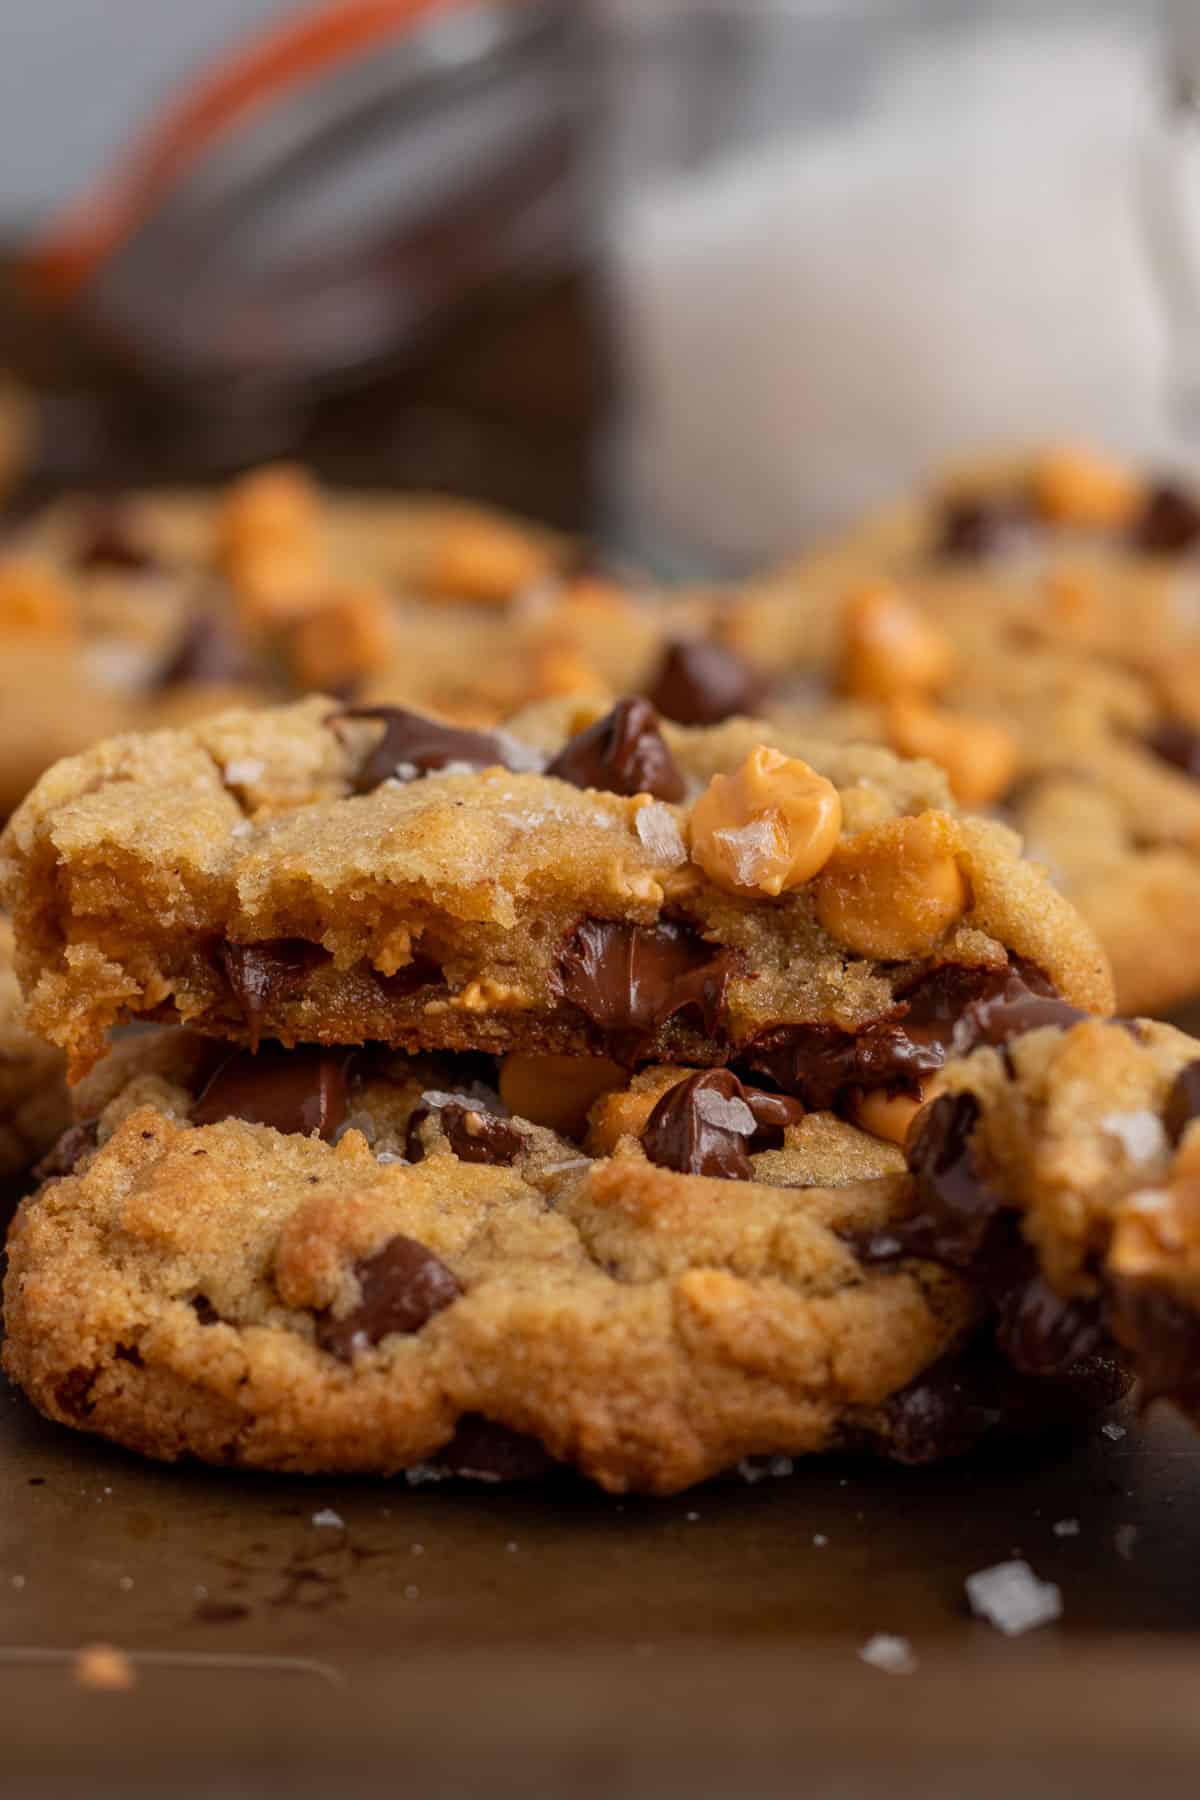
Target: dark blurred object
357,240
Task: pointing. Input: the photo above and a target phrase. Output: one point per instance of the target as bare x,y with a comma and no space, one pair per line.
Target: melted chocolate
1164,1336
634,978
260,974
1177,744
302,1090
485,1451
622,753
678,1136
947,1012
981,530
1169,522
108,540
475,1136
698,683
401,1287
419,746
211,653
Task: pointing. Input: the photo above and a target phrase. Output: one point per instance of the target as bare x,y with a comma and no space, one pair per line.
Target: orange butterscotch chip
269,542
35,602
890,648
557,1091
484,559
767,827
352,632
561,669
979,756
885,1115
894,891
1075,486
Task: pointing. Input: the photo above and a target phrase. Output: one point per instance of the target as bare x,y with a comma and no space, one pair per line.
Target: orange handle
67,253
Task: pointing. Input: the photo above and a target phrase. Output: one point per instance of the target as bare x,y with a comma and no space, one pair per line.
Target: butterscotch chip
350,633
890,647
895,890
562,669
557,1091
979,756
886,1115
104,1668
35,601
484,559
269,542
1078,486
767,827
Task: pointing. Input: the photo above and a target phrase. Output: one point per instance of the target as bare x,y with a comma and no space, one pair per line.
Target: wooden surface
451,1639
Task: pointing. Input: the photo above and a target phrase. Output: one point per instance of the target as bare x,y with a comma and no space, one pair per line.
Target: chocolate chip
695,1126
622,753
698,683
211,653
301,1090
980,530
66,1153
1043,1334
263,973
946,1012
944,1412
633,978
1177,744
412,746
485,1451
1168,523
957,1209
400,1289
204,1310
474,1135
1164,1336
108,540
678,1135
1183,1101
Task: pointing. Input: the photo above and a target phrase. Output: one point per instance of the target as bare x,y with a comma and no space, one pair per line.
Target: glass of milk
845,241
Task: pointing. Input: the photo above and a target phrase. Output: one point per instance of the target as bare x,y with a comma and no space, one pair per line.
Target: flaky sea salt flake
726,1115
891,1655
1010,1597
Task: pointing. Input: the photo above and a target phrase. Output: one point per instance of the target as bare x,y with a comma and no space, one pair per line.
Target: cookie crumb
1065,1528
104,1668
327,1516
891,1655
1010,1597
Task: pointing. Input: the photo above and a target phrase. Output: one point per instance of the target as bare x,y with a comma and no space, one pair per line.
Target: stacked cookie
529,1097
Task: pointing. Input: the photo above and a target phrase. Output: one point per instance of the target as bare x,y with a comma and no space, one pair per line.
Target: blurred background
698,278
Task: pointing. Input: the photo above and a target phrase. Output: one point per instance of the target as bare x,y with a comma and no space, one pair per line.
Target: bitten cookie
586,882
34,1106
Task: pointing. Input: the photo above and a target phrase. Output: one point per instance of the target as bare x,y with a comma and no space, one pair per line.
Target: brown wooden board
450,1638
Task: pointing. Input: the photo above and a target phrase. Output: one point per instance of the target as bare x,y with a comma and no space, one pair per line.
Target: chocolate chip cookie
608,885
1034,629
304,1260
1063,1176
34,1106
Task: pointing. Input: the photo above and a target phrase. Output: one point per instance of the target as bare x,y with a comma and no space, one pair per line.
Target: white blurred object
809,321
